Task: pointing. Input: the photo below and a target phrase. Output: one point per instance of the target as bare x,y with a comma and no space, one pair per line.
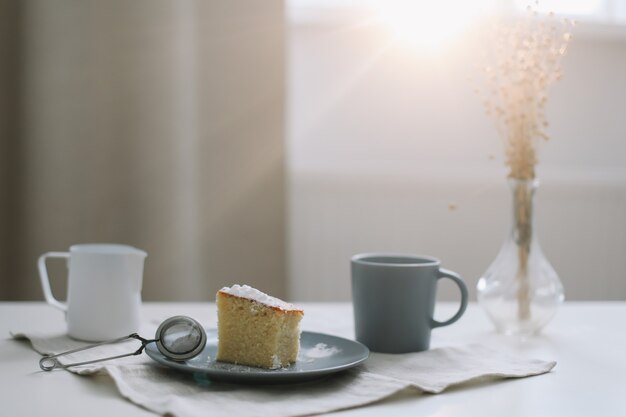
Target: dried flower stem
522,229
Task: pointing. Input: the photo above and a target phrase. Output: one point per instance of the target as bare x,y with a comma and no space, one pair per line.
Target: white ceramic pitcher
103,292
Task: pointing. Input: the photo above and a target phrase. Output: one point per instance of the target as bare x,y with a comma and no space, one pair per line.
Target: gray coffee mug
394,300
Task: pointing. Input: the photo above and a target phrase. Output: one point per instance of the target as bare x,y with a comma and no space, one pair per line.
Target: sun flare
428,24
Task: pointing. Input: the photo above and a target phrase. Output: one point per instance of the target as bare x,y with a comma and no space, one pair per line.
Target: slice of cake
256,329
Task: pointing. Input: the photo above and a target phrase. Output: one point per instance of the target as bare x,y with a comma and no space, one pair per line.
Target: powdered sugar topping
246,291
321,350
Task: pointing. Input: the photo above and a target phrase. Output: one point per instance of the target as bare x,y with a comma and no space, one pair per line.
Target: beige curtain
148,122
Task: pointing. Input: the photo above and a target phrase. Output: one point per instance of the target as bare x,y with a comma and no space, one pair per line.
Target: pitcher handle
45,281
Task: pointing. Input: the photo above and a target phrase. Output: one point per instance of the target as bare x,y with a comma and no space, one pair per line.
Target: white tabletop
588,340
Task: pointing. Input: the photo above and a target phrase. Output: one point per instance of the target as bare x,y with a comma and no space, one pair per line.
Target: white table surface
588,340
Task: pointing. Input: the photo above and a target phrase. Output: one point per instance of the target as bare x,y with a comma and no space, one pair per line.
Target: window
604,12
595,11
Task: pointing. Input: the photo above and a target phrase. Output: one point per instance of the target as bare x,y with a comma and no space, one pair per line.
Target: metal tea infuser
178,338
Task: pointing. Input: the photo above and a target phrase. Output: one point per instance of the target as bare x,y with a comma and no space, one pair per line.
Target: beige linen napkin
167,391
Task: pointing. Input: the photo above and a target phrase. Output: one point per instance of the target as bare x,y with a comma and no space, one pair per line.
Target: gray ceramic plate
320,355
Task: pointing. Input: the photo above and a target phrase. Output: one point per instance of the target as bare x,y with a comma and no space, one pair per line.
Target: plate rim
264,374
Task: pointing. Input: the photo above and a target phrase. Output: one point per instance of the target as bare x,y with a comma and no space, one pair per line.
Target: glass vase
520,291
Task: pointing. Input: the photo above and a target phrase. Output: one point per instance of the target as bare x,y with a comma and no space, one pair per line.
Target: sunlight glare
428,23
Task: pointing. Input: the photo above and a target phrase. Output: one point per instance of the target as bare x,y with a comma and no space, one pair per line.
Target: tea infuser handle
45,281
49,362
444,273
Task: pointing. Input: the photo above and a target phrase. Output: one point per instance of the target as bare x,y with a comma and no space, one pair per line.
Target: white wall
380,142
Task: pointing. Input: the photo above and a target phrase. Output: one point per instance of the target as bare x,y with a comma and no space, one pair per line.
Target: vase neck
523,192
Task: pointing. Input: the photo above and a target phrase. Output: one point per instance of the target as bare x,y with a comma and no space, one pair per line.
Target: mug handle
45,281
444,273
